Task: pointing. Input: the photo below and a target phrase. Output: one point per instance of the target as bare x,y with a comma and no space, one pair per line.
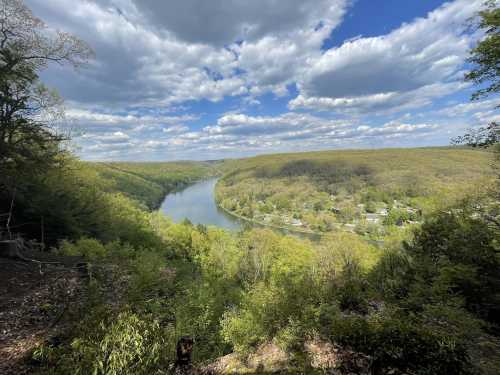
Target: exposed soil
35,301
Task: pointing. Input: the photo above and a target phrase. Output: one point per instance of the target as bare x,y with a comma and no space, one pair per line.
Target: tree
482,137
28,141
486,55
486,60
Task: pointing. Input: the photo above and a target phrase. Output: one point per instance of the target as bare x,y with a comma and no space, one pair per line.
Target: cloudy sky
199,79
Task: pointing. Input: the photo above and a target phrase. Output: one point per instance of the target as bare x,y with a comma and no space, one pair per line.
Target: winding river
197,204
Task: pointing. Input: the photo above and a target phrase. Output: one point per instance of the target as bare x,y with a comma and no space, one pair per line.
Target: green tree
28,140
30,144
482,137
486,55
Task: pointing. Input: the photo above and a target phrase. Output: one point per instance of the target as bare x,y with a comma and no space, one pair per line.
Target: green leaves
130,344
486,55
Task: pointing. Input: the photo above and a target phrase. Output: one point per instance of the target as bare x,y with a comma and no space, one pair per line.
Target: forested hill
372,192
150,182
76,197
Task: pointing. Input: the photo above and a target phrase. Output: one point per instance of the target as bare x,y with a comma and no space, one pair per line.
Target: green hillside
150,182
367,191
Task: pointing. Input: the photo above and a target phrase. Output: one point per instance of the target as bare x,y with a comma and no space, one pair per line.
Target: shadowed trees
28,142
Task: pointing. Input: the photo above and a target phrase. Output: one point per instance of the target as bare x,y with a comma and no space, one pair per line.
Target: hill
367,191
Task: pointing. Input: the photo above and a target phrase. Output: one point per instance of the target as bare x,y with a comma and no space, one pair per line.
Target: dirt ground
34,301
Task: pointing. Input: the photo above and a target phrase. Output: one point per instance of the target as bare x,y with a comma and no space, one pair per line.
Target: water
197,204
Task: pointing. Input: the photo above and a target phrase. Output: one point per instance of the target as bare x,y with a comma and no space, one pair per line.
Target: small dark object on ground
184,353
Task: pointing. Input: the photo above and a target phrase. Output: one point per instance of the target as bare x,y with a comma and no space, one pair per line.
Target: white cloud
156,58
381,103
392,70
222,22
294,128
464,109
140,66
245,135
88,120
176,129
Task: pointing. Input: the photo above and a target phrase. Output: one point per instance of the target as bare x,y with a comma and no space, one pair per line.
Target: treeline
399,172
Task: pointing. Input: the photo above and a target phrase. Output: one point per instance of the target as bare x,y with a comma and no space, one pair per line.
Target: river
197,204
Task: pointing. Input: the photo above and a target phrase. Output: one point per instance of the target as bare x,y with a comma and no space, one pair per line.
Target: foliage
486,55
322,192
28,143
483,137
89,248
150,182
127,344
458,256
399,344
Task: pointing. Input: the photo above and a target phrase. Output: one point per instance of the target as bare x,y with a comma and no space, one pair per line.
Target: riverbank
285,230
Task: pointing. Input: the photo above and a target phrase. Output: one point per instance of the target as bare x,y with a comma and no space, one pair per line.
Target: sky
200,80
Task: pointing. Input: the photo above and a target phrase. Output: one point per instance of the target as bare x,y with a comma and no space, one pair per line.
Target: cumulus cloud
292,129
249,135
140,65
158,60
381,103
88,120
213,50
394,69
222,22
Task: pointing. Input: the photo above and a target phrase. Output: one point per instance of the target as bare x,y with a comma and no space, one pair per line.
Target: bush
397,344
352,289
89,248
457,254
130,344
392,276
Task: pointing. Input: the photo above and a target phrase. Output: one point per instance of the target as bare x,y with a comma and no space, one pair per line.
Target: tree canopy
27,107
486,55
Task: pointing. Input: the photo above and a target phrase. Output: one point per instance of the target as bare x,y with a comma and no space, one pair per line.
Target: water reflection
197,204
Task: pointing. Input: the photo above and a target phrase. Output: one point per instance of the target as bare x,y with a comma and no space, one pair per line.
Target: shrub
458,255
129,344
89,248
392,276
398,344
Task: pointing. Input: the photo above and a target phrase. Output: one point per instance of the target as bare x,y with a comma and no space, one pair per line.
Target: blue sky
196,79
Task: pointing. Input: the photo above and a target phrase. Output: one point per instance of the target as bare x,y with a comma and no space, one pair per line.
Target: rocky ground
320,358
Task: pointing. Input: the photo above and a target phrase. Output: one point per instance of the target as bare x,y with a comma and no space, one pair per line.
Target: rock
269,358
